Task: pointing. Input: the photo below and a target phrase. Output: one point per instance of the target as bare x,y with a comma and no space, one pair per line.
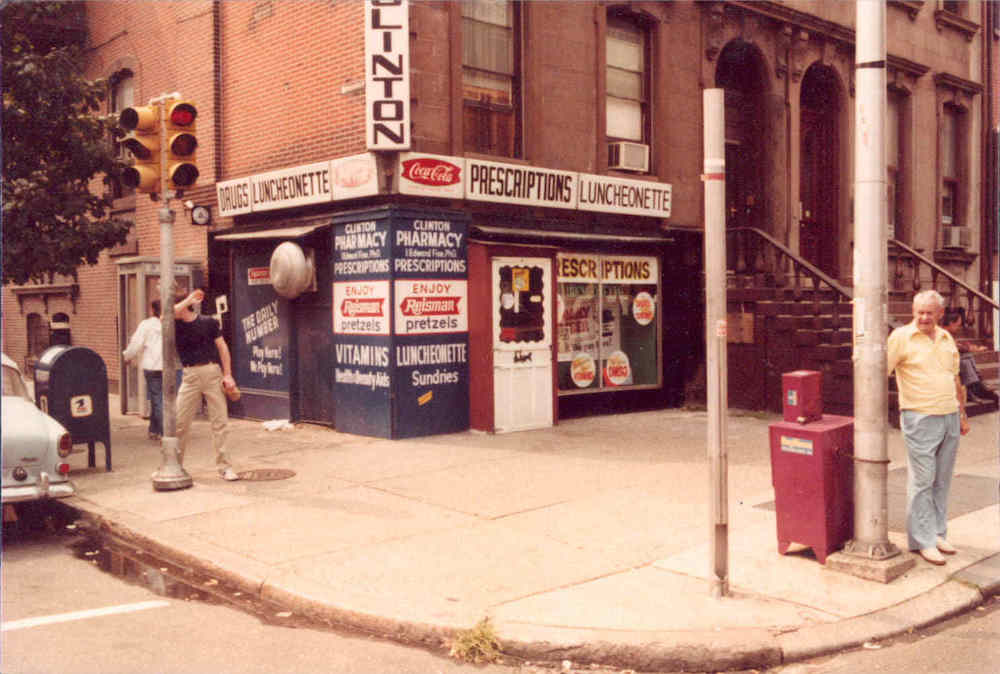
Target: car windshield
13,385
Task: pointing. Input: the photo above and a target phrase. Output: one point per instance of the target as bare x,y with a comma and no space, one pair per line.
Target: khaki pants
202,380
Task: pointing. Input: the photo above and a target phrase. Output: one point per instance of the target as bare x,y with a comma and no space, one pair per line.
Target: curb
693,651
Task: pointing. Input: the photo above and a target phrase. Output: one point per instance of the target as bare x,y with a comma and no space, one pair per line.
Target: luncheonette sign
318,183
387,74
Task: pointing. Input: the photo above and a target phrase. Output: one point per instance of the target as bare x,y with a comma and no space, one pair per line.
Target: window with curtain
490,77
949,166
627,79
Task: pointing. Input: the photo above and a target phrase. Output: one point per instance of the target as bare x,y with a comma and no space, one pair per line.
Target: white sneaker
229,474
945,547
932,555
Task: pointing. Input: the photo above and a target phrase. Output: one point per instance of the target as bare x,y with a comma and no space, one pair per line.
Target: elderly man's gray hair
929,295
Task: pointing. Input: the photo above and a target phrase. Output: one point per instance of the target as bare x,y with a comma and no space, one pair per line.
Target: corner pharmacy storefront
416,320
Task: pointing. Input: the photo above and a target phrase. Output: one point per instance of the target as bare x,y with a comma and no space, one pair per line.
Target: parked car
35,445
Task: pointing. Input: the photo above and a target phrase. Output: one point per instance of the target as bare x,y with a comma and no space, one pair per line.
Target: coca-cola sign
429,171
431,175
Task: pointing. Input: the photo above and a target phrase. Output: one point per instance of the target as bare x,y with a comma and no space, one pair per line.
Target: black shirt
196,341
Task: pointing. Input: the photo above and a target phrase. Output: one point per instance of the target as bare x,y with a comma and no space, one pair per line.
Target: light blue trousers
931,446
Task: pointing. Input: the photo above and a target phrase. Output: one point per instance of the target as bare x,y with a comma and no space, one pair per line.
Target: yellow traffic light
182,172
143,141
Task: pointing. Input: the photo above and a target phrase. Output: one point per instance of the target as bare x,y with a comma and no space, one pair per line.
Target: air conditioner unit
628,156
955,237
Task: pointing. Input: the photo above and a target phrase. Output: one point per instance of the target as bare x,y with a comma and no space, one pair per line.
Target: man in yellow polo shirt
932,416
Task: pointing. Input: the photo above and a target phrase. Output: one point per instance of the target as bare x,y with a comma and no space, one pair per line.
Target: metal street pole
171,474
714,177
871,456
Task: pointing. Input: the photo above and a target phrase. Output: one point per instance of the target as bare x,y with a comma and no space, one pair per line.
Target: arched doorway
741,73
819,174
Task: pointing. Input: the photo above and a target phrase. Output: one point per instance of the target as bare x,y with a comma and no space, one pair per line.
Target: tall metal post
714,177
171,474
871,456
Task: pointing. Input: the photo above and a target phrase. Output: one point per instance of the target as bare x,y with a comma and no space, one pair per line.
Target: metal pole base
881,562
171,474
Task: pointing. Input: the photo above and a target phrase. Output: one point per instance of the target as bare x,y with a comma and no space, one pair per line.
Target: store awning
553,235
280,233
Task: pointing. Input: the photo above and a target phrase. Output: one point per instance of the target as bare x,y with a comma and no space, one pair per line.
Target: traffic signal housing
182,171
143,141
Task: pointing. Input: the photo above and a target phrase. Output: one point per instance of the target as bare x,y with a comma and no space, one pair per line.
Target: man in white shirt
146,347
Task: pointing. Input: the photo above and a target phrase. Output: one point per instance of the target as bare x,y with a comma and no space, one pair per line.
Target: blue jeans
154,393
931,446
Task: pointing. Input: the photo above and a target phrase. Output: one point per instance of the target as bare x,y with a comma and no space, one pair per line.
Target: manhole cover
264,474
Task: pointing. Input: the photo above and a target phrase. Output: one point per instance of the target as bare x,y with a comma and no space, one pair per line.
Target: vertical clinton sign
431,312
387,74
361,321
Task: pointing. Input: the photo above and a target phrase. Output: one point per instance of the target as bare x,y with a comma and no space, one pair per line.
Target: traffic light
182,172
143,141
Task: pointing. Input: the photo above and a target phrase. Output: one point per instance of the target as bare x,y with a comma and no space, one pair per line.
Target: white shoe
945,547
229,474
932,555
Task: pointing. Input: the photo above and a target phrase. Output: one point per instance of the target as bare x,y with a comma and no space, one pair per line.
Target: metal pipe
714,177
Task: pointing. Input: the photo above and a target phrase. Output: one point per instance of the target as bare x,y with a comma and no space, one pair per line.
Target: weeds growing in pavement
478,644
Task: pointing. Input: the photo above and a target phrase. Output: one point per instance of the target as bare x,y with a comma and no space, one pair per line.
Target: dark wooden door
818,190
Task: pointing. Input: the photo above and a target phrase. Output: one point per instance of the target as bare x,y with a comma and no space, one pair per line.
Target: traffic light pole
171,474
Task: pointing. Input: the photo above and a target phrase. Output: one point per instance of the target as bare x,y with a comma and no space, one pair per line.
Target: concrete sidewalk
587,541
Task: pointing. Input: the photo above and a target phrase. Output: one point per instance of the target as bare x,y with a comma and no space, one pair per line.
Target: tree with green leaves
56,146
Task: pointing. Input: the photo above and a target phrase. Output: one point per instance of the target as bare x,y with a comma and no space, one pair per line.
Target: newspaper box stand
813,476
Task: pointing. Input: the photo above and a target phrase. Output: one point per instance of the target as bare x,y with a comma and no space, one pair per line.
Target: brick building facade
603,96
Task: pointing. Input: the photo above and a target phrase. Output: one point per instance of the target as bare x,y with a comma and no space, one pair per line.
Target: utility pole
714,177
870,554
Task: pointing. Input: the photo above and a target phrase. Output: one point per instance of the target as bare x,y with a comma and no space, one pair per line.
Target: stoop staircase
800,318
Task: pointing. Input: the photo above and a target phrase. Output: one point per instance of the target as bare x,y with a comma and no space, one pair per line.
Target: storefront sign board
621,195
387,74
518,184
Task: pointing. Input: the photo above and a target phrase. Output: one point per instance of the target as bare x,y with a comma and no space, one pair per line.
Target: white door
522,343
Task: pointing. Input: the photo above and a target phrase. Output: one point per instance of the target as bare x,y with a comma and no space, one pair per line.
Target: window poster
607,323
262,361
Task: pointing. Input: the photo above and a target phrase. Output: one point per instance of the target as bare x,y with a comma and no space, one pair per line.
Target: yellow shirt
925,369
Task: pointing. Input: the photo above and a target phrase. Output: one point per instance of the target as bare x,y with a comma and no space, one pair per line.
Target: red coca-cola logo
355,308
429,306
431,172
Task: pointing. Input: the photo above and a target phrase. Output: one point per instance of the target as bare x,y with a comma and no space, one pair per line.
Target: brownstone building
489,214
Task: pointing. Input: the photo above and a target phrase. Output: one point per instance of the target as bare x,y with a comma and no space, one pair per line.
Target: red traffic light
183,114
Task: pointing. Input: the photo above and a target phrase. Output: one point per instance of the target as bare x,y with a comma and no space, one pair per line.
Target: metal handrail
798,261
971,293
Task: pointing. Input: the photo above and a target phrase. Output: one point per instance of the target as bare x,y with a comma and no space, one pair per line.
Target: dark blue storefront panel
362,325
261,351
431,330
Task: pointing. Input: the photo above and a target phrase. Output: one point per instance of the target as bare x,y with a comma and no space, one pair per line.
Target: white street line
80,615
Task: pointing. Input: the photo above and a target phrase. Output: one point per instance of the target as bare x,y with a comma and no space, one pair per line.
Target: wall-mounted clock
200,215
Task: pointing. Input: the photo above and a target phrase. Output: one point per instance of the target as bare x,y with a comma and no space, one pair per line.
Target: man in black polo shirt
207,369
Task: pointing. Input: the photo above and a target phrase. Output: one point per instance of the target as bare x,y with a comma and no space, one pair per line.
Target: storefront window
609,335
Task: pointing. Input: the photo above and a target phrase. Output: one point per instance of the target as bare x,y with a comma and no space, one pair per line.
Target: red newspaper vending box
813,476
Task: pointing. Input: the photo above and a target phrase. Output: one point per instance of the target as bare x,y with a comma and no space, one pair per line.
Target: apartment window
38,335
490,77
950,166
122,96
893,162
627,80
